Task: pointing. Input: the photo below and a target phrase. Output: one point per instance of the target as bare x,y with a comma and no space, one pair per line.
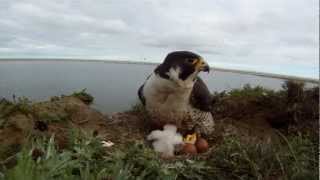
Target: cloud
30,13
234,34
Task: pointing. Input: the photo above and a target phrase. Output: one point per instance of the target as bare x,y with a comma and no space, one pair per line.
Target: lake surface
114,85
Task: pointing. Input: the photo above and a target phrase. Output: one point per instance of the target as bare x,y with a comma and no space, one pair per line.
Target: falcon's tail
140,94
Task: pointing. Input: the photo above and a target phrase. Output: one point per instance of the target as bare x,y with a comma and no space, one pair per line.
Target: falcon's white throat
168,98
174,76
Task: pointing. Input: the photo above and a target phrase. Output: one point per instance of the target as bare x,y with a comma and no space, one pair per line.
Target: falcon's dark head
182,65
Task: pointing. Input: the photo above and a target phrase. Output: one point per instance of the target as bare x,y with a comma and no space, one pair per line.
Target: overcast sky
277,36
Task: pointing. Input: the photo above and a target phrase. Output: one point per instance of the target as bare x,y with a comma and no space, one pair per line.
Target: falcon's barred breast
175,94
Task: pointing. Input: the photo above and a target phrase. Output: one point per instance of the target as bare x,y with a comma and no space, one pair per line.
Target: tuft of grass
84,96
85,158
291,109
7,108
294,158
250,92
22,104
50,164
243,103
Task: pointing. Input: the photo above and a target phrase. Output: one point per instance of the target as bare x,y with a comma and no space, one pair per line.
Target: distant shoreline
262,74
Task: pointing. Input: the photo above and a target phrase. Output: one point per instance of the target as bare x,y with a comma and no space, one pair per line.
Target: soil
251,114
61,114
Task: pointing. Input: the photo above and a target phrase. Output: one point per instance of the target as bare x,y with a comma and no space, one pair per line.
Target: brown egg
202,145
189,149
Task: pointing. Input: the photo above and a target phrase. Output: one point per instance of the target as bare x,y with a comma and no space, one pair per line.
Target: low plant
84,96
85,158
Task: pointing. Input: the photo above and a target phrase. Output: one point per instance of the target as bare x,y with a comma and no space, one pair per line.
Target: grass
24,106
7,108
84,96
85,158
294,156
291,109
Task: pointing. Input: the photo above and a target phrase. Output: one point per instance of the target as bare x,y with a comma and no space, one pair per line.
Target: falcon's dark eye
190,60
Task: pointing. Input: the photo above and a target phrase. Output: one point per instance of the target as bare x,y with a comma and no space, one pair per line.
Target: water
113,85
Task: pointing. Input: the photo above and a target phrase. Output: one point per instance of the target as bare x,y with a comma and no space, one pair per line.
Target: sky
275,36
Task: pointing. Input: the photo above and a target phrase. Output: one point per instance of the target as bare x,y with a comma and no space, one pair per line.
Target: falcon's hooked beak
201,65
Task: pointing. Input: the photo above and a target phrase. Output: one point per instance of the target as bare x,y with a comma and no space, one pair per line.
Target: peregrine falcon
175,94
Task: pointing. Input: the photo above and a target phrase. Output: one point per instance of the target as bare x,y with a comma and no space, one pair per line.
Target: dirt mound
22,119
61,114
293,109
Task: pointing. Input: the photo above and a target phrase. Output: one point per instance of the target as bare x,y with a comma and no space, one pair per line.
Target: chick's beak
201,65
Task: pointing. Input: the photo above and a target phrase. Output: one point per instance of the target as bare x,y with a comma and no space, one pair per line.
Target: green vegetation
62,139
24,106
86,158
7,108
84,96
293,109
294,158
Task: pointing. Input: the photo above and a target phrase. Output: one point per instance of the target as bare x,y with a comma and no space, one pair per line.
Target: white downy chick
166,140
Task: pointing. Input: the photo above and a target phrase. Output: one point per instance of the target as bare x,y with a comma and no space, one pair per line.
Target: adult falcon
175,94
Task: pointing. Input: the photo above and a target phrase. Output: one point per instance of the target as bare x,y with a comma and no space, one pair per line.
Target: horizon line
240,71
